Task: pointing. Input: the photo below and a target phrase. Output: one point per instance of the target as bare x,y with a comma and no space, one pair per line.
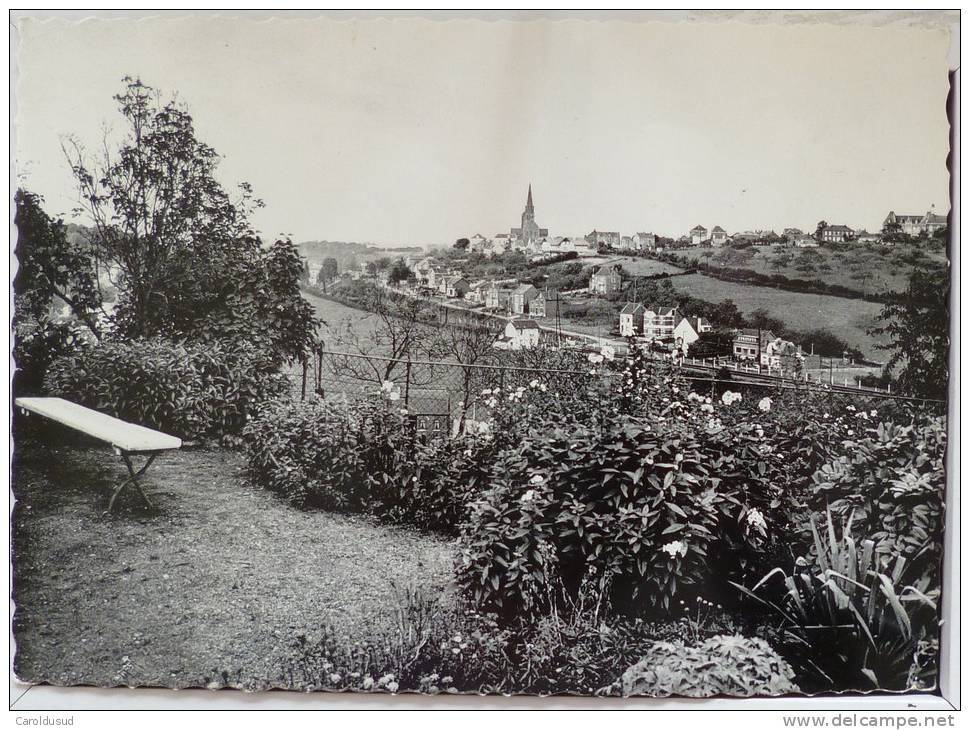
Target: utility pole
759,349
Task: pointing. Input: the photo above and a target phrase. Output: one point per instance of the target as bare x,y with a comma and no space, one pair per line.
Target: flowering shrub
183,388
630,491
364,457
722,665
629,508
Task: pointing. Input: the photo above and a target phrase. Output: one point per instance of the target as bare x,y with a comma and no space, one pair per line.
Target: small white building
698,234
631,319
519,334
689,329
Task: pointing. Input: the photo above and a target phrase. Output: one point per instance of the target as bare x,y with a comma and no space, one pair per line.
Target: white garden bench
126,438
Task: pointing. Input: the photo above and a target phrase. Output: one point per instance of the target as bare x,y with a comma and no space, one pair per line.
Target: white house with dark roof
519,334
697,235
837,234
718,236
631,319
688,330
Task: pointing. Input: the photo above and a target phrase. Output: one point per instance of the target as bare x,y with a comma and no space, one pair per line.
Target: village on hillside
610,267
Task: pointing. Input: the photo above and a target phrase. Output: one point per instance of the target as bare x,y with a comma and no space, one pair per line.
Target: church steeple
529,232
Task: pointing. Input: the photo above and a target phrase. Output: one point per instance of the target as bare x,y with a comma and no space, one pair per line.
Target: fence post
305,364
320,367
407,382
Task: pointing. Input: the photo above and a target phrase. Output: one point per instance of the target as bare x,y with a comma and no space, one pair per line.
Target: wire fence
446,397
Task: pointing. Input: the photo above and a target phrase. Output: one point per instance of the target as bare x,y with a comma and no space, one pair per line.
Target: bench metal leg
132,479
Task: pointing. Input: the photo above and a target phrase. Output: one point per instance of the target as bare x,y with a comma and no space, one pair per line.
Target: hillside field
847,318
870,268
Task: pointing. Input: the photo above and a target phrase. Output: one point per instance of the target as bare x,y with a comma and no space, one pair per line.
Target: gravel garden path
209,587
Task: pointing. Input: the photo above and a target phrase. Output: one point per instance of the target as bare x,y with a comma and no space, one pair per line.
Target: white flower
387,386
764,404
608,352
537,479
484,427
392,686
528,496
872,413
542,387
756,519
334,677
394,395
534,384
673,548
486,392
707,408
368,682
851,432
594,358
730,397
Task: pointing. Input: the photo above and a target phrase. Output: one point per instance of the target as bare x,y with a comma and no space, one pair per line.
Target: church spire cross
528,202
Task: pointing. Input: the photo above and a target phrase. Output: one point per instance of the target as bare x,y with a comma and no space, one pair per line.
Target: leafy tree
714,343
761,318
725,314
822,225
182,252
462,244
305,274
329,269
827,343
917,325
52,270
892,232
399,272
51,267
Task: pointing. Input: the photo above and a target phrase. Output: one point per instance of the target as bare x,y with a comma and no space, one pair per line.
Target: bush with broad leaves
891,477
187,389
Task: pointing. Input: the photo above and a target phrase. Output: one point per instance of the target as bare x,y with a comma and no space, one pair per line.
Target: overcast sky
418,132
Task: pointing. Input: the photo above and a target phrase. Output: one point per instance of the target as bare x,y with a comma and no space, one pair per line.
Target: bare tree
469,346
377,347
